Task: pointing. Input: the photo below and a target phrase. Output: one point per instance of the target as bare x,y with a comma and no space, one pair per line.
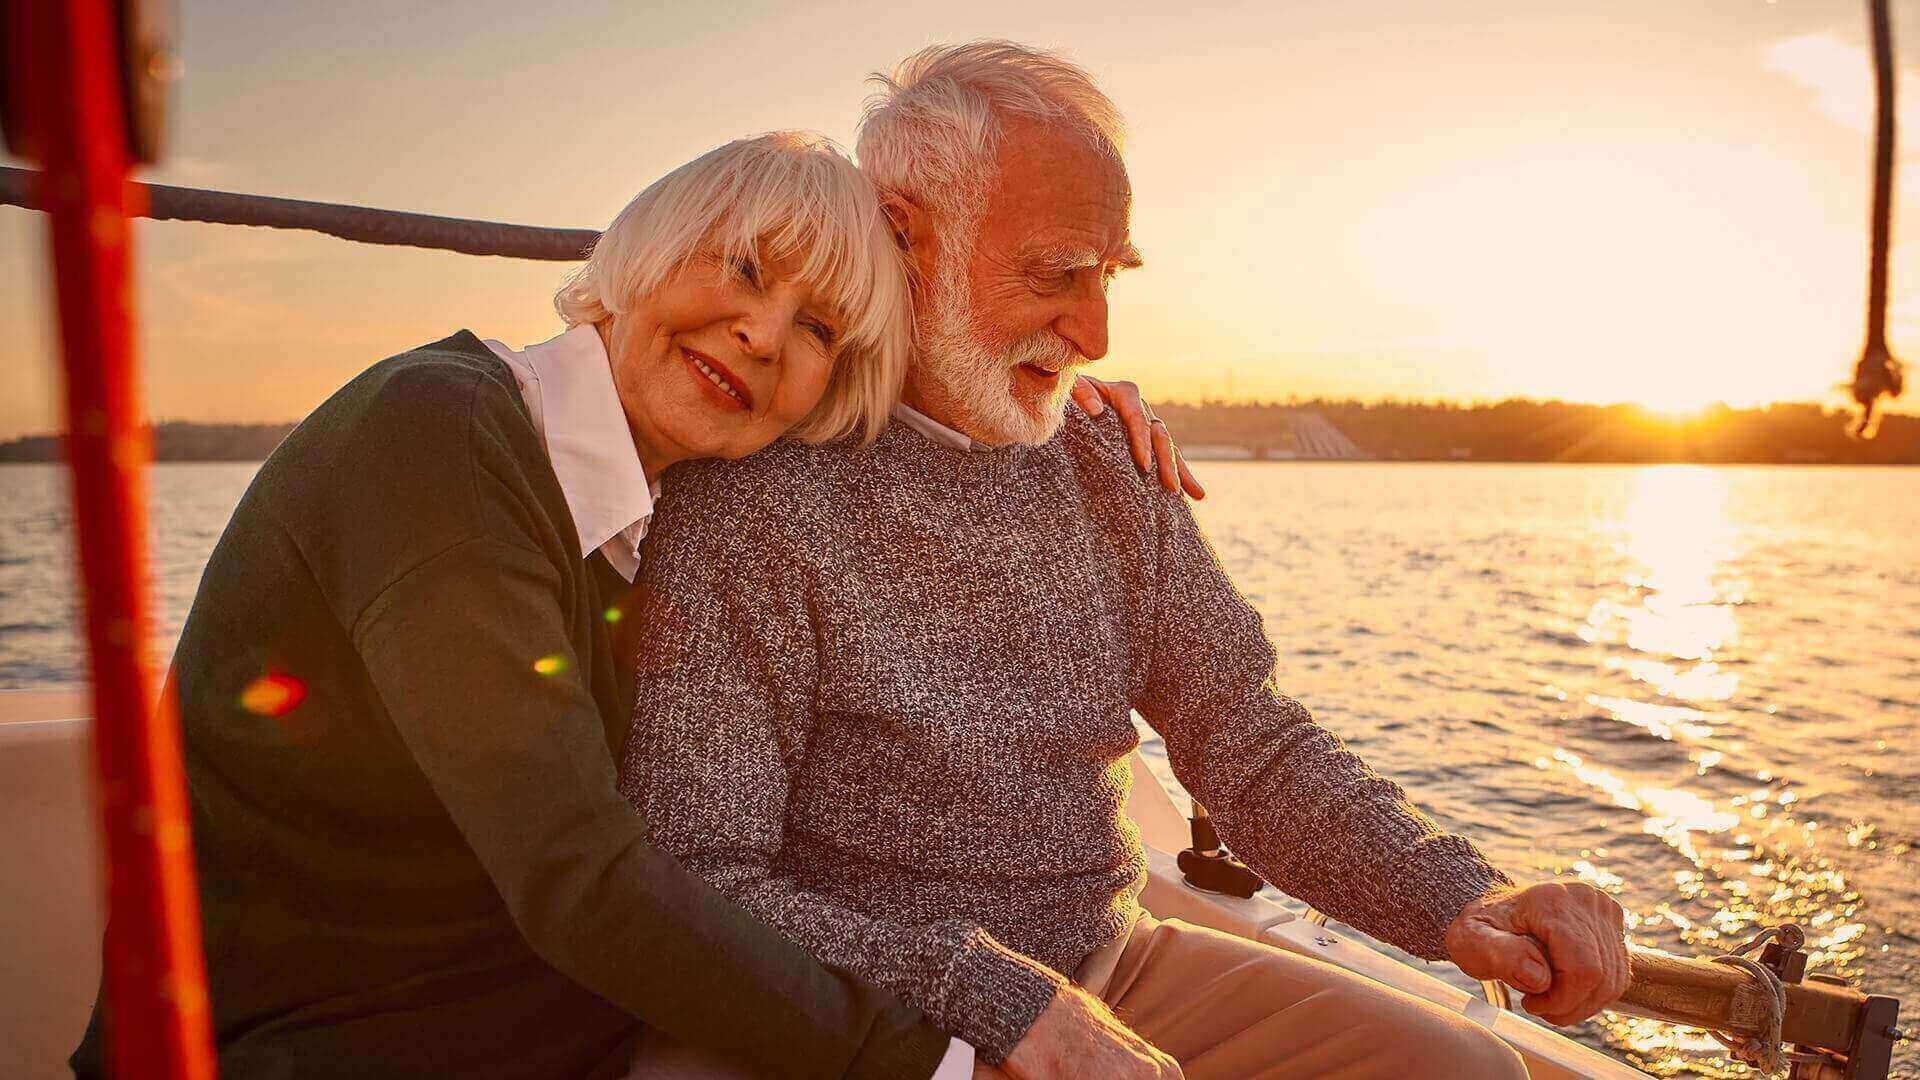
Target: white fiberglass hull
1550,1055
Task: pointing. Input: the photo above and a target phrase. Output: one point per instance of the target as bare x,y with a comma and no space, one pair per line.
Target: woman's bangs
839,263
815,208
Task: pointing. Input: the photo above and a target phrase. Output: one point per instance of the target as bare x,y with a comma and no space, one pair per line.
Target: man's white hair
932,128
798,195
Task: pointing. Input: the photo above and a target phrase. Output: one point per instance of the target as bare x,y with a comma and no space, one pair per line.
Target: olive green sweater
425,869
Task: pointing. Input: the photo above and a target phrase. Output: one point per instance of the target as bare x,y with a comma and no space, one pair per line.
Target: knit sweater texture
883,699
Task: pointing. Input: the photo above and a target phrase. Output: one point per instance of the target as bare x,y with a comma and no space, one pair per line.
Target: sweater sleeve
1286,794
469,654
724,710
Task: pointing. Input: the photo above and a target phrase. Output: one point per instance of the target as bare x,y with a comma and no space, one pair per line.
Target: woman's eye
821,331
748,270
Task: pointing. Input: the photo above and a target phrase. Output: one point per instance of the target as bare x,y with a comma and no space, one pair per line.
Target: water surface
1696,687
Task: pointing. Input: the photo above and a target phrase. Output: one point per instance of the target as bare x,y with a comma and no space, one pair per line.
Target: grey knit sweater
883,700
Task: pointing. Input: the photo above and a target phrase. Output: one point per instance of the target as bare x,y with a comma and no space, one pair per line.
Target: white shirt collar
567,383
934,429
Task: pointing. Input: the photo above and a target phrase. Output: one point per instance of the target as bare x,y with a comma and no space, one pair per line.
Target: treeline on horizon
1528,430
1513,430
173,440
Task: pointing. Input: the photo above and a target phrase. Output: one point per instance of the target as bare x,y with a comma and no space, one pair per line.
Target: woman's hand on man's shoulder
1147,436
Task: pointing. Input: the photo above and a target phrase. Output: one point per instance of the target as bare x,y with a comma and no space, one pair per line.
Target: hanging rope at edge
363,224
1878,373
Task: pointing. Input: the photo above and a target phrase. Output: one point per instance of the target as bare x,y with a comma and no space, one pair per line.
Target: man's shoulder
785,470
1098,450
782,493
792,473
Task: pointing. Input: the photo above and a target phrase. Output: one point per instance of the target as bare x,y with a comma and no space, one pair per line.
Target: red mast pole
155,981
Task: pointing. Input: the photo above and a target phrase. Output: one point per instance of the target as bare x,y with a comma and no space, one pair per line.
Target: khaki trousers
1227,1008
1231,1009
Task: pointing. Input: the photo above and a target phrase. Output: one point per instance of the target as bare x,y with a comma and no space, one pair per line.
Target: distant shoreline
1509,432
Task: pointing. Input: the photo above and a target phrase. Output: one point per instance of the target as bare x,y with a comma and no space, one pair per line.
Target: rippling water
1698,688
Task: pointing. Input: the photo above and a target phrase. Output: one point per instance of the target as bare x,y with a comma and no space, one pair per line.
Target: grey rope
1762,1051
367,225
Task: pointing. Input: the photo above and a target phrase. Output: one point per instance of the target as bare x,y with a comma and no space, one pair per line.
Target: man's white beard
972,382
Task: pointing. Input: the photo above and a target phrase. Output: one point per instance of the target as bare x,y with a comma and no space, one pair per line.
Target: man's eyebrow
1081,257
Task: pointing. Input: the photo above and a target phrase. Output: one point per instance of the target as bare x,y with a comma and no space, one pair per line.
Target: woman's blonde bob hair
790,195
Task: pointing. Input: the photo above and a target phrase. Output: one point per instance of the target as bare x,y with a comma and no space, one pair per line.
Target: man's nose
1084,324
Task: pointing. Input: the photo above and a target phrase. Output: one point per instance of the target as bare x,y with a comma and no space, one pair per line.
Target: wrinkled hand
1147,434
1077,1036
1559,942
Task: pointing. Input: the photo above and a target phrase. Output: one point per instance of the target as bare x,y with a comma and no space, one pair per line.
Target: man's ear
913,230
904,216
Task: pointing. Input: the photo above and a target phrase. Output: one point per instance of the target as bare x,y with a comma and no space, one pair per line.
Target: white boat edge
50,919
1550,1055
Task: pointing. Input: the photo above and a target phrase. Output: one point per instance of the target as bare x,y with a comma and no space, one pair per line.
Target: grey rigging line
1878,373
364,224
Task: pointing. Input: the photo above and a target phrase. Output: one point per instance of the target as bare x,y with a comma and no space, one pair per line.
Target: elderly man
885,700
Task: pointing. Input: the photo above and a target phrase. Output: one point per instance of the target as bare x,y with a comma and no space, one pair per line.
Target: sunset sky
1639,200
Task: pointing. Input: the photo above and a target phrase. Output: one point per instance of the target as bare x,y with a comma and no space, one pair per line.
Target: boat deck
31,706
50,876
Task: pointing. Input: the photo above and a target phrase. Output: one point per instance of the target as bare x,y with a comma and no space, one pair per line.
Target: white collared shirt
934,429
567,383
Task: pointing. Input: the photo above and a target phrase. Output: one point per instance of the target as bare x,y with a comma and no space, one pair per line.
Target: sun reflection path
1704,681
1748,864
1677,537
1746,859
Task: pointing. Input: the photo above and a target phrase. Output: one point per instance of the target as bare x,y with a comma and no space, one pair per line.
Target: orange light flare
273,695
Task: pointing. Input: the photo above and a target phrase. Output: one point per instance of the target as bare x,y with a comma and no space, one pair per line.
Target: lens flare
551,664
274,694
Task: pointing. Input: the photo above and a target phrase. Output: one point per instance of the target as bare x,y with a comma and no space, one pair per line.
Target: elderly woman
403,682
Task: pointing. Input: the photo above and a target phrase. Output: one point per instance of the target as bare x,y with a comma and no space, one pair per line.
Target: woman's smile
725,388
744,331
